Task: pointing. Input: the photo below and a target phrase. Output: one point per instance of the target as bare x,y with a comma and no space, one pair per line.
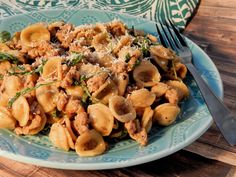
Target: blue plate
193,121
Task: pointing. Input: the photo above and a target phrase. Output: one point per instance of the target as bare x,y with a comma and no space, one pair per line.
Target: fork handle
222,116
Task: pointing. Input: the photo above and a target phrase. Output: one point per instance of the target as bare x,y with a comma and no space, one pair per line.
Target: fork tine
160,36
181,40
165,35
176,43
173,43
168,35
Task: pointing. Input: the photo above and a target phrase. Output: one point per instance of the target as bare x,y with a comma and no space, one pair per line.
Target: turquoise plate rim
132,161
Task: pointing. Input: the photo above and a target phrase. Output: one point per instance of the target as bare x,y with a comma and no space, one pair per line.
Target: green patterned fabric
179,11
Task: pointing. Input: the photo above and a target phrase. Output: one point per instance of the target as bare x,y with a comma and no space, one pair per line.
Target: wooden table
214,29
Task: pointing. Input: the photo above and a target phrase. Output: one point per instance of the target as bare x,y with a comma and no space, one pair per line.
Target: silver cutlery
226,122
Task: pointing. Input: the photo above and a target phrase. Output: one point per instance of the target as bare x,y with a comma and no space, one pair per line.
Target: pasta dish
89,84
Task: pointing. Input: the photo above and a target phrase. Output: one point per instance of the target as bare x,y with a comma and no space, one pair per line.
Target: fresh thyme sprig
25,91
39,70
8,57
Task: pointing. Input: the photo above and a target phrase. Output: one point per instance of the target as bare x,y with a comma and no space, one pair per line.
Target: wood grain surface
214,29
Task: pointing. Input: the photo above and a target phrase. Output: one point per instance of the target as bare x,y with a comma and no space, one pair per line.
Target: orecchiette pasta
142,98
106,91
166,113
90,143
34,33
122,109
52,68
6,119
101,118
88,82
20,110
47,96
121,80
60,137
180,87
147,119
146,74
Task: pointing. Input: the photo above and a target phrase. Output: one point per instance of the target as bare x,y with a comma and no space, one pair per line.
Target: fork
224,119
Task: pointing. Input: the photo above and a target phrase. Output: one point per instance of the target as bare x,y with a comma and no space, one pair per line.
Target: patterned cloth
179,11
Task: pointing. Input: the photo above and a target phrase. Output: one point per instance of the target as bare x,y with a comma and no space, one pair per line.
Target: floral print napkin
179,11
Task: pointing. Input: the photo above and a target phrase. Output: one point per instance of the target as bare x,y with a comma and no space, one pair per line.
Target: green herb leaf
1,76
137,62
8,57
20,67
25,91
5,36
127,57
39,70
74,59
84,87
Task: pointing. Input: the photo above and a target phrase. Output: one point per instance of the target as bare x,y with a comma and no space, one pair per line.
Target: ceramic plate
193,121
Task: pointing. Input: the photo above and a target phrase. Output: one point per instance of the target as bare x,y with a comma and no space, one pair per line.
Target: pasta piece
121,80
70,131
89,69
100,42
101,118
76,91
181,70
165,114
136,132
147,119
124,41
117,28
6,119
172,96
122,109
161,52
146,74
152,38
90,143
4,47
159,89
52,68
39,120
47,97
4,67
161,56
180,87
60,137
106,91
12,85
142,98
4,98
20,111
34,33
105,60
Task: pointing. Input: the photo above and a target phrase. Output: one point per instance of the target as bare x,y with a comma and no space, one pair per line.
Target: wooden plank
17,167
213,152
219,3
178,164
211,35
5,173
214,23
223,12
